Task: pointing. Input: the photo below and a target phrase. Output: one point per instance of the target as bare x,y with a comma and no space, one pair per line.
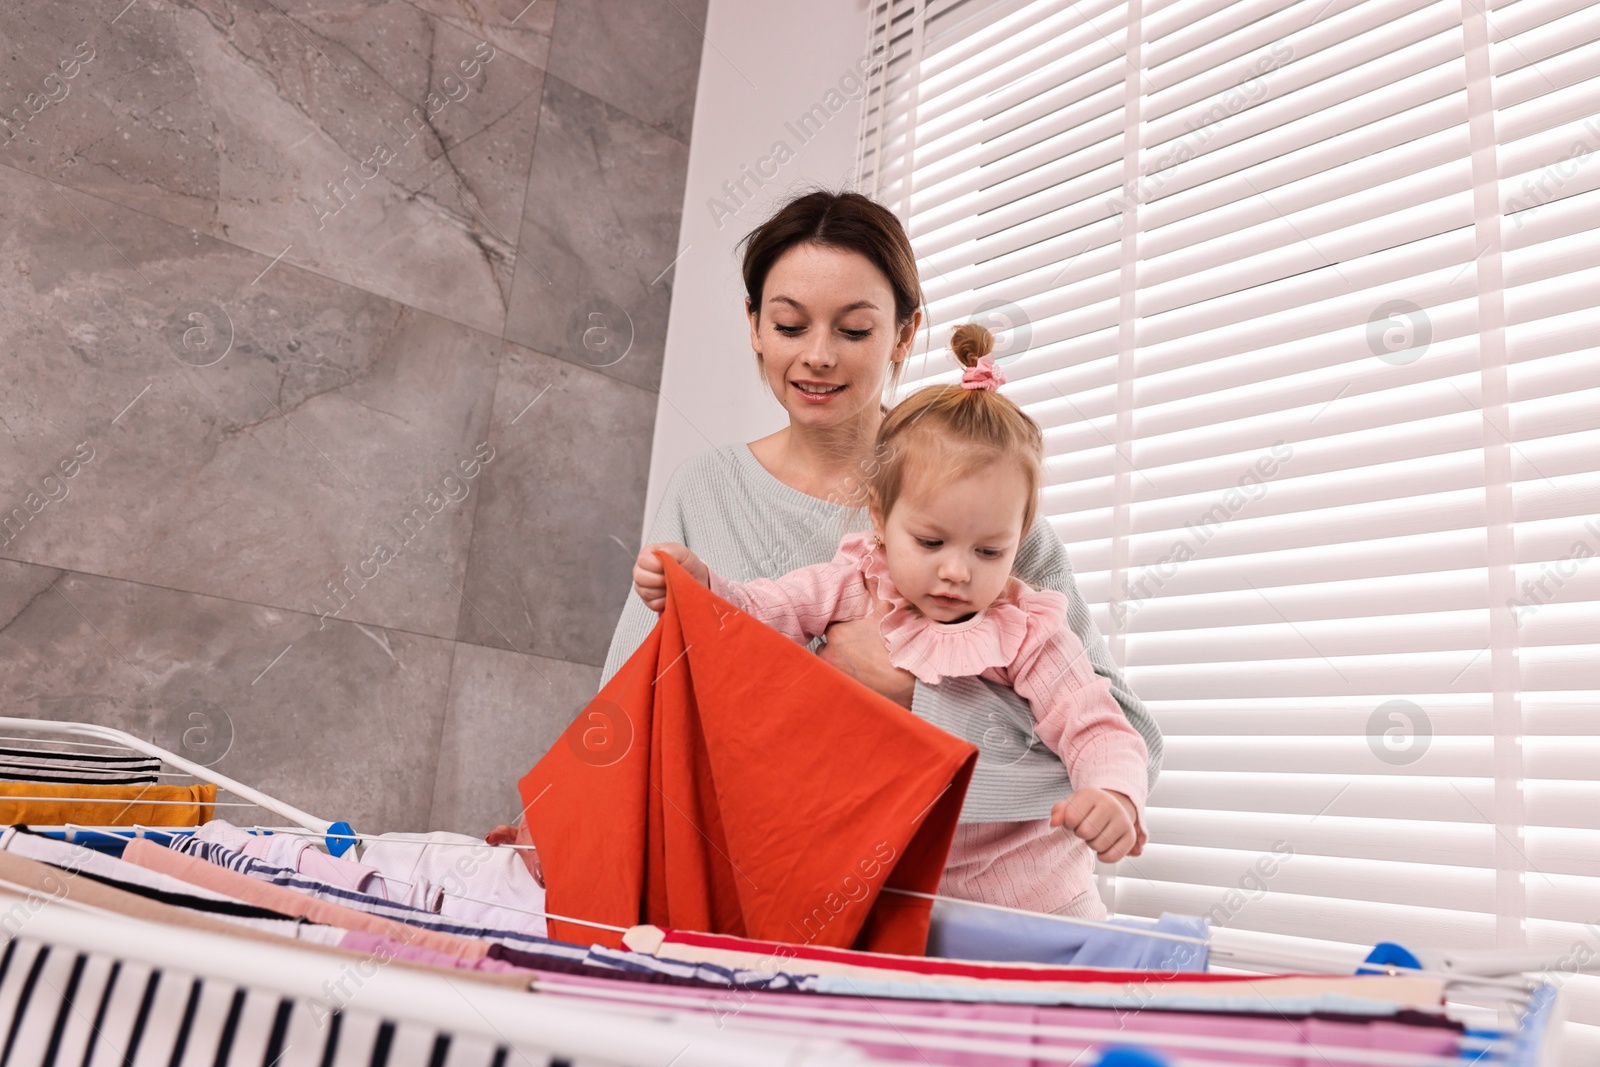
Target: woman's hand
856,647
650,577
1104,819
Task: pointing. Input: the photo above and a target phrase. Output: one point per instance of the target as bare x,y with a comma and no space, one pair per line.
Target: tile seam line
68,571
310,271
602,101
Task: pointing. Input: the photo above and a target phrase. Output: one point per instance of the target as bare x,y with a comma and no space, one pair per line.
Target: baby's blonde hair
952,431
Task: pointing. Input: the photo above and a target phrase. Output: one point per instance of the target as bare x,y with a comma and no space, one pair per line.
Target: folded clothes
882,974
387,948
727,950
298,852
736,977
49,883
290,902
447,874
57,804
614,966
136,881
1187,1036
467,878
74,857
39,765
1277,999
224,858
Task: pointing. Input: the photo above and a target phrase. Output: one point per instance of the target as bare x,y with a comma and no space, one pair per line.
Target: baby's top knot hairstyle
972,344
946,432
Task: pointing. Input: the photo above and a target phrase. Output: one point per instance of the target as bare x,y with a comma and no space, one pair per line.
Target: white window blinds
1307,298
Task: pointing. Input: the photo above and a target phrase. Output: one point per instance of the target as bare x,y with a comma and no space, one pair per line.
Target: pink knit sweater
1022,640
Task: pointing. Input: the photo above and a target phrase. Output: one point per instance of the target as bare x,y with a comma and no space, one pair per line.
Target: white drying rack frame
636,1034
64,728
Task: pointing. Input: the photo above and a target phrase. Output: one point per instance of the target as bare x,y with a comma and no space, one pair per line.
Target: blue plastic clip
1132,1057
1489,1039
1387,953
341,835
1536,1022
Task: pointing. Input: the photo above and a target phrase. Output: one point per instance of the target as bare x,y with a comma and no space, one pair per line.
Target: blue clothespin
1132,1057
341,835
1387,953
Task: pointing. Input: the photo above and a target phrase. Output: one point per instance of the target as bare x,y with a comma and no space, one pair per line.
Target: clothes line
1072,920
1218,946
81,744
1513,989
1094,1037
125,802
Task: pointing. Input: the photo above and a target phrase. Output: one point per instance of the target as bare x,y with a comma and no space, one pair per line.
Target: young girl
955,490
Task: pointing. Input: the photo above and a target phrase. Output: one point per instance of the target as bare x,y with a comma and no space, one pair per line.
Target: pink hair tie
983,375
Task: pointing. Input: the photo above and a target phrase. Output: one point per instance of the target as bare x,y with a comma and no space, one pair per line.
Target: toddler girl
953,494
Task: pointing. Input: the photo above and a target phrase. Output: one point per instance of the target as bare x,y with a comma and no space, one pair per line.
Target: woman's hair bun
970,342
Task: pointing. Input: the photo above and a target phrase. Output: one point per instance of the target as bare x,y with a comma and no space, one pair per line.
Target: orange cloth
728,781
105,805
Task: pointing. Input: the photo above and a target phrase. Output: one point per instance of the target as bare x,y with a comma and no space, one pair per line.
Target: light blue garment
959,931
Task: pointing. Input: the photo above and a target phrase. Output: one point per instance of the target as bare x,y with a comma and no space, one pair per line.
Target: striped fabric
747,524
36,765
530,949
225,857
61,1008
1030,865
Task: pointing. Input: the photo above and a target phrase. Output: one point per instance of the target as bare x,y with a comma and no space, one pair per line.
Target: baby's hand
518,835
1102,818
650,578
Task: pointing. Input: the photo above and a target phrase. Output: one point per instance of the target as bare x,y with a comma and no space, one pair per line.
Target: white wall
764,65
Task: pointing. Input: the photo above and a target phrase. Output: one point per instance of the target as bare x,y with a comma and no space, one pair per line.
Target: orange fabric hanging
728,781
56,804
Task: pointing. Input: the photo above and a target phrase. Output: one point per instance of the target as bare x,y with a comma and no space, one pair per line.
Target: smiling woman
830,317
833,304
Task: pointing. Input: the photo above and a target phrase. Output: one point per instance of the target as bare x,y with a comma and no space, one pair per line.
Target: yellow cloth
105,805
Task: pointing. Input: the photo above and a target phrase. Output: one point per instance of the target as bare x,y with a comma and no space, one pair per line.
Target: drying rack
627,1026
337,836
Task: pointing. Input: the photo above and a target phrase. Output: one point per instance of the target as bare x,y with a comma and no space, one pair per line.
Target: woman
834,304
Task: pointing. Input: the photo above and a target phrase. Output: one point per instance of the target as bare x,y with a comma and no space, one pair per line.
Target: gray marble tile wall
331,332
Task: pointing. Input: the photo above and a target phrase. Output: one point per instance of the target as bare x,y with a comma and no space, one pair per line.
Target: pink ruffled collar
934,650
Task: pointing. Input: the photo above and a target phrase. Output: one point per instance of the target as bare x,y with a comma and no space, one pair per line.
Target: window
1305,297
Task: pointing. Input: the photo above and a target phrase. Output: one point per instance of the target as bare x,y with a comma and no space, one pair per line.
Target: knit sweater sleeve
802,603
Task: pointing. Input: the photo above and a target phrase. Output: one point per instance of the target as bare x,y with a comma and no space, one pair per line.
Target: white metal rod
205,774
898,1022
1073,920
516,1018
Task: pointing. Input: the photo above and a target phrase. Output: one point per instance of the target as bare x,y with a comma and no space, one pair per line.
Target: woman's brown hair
948,432
848,221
